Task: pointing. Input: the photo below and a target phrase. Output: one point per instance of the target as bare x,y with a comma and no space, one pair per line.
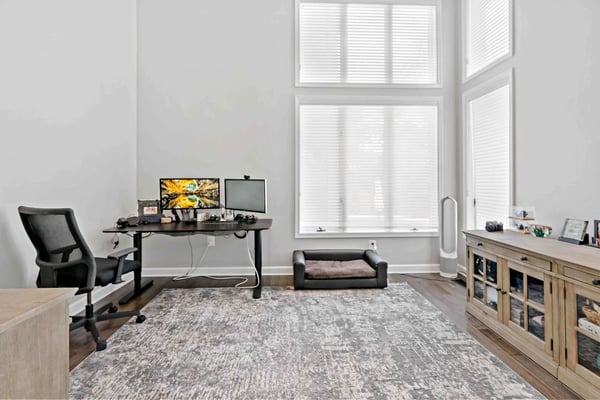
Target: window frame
438,37
511,51
365,100
484,88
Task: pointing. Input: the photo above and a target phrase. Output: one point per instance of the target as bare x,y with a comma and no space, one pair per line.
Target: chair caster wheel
100,345
140,318
113,309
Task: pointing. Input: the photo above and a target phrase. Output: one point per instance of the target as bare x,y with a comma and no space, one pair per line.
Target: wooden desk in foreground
34,343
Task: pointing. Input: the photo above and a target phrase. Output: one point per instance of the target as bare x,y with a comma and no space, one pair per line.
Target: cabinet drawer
522,257
527,259
585,277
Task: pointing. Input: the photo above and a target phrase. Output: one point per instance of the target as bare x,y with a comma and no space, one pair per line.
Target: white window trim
439,28
361,100
511,51
497,82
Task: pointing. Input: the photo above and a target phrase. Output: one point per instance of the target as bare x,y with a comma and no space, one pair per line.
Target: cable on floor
238,285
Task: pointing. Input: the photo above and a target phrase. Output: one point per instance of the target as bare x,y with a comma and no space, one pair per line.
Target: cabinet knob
504,292
596,282
480,244
523,258
498,289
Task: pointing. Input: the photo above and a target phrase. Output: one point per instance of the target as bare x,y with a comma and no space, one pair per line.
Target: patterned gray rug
219,343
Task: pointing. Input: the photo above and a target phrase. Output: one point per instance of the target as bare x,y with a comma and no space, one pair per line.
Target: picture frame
148,207
596,238
574,231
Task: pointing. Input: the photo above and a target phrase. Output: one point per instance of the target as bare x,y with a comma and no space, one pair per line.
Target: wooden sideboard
543,296
34,343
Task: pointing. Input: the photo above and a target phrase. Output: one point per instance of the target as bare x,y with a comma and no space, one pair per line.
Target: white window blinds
367,168
351,43
489,125
488,33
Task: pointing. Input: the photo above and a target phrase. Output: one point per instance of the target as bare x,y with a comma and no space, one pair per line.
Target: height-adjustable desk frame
210,228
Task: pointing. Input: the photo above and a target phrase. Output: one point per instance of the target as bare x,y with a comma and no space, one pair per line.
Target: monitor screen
246,195
189,193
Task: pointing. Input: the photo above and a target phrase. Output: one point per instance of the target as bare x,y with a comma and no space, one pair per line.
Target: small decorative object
574,231
494,226
520,218
540,230
591,314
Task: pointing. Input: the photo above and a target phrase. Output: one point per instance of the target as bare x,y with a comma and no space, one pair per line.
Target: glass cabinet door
583,331
485,275
526,301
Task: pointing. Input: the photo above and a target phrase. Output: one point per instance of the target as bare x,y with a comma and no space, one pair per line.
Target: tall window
370,43
489,137
367,165
487,33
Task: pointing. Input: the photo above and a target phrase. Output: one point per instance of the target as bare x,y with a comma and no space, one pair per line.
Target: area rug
219,343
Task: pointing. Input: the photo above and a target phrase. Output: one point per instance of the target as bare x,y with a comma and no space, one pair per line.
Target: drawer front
585,277
516,255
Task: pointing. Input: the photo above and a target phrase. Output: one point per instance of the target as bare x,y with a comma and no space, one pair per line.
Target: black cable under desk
212,228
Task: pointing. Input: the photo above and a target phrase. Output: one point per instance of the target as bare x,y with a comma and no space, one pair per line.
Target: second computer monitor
246,195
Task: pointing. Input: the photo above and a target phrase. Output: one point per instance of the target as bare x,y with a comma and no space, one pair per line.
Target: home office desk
216,228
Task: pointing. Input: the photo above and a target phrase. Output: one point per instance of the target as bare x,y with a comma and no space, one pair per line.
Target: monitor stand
188,216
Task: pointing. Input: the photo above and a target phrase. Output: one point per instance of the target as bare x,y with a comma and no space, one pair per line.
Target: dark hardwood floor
448,295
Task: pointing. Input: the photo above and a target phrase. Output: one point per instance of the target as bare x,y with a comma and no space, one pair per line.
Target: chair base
104,313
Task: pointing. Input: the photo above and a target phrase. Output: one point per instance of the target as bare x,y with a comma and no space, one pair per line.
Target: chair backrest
63,256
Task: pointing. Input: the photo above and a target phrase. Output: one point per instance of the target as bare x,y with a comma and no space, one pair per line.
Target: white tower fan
449,238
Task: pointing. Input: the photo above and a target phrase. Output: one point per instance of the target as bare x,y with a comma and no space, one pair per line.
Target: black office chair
65,260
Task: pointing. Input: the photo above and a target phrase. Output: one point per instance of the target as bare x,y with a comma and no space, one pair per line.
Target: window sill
369,235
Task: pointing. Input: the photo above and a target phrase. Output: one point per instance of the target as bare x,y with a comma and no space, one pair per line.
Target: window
367,43
367,165
487,33
488,116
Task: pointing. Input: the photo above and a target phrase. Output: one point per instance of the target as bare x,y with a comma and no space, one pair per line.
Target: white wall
67,119
216,99
557,118
557,82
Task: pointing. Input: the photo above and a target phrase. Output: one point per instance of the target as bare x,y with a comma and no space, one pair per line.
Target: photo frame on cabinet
574,231
596,238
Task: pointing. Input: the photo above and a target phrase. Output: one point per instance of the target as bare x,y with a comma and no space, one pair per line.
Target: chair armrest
120,255
299,263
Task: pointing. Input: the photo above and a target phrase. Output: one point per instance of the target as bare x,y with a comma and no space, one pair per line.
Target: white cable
244,279
193,267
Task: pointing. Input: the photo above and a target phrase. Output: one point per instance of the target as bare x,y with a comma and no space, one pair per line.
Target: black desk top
196,227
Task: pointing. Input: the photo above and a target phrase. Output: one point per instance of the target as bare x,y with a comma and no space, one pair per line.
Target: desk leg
138,289
258,263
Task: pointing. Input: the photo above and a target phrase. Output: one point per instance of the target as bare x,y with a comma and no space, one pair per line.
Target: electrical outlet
373,244
210,241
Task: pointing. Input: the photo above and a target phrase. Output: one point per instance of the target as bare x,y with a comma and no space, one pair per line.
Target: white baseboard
275,270
78,303
413,268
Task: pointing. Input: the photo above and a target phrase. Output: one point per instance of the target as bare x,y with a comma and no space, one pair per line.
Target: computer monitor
189,193
246,195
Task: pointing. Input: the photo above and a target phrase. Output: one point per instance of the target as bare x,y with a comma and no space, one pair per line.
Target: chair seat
325,269
106,269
